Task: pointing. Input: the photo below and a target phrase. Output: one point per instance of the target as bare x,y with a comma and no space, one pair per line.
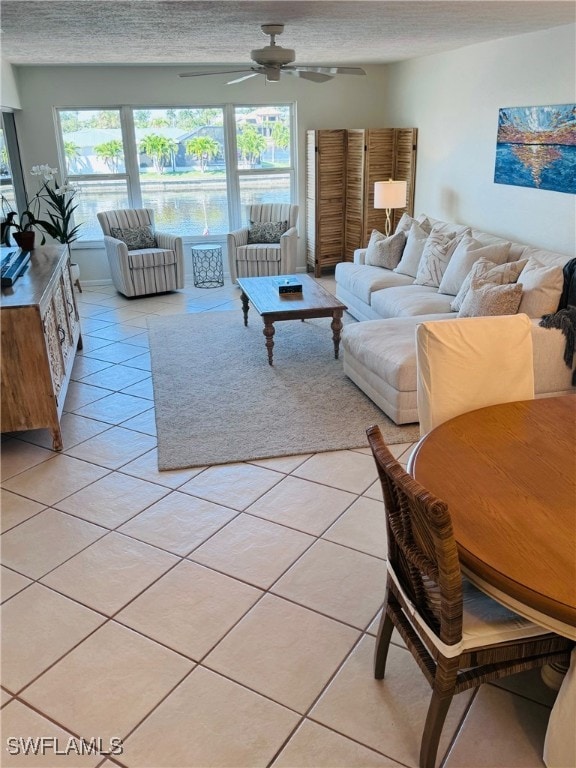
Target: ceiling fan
273,60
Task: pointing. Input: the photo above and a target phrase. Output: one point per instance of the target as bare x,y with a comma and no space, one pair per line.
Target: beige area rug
218,401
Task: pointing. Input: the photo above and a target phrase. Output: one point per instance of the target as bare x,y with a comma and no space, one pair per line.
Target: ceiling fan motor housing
273,56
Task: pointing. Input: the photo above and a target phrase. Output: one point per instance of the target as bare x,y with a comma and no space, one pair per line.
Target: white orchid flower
44,170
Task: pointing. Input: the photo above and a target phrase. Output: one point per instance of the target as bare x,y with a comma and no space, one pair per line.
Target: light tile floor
220,616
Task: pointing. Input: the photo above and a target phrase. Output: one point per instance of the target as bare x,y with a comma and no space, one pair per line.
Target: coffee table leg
245,306
269,333
336,326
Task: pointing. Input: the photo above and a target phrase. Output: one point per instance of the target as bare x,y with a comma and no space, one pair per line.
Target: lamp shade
390,194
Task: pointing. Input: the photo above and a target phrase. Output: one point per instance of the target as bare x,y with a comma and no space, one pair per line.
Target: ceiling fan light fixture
272,74
273,60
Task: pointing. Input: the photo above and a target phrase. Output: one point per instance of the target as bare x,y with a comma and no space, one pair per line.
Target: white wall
345,102
453,99
9,97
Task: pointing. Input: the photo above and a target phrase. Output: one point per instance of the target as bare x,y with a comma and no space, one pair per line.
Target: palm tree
280,137
112,152
71,152
159,149
251,144
204,148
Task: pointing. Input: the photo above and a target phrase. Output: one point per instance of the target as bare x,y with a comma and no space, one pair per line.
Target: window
196,167
11,178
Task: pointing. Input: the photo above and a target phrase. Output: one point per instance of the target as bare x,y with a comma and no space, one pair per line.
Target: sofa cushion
263,252
409,300
151,257
488,272
438,250
415,242
384,251
362,280
387,348
467,253
542,284
485,299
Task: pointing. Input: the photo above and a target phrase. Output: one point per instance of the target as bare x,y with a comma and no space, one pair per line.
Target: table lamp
389,194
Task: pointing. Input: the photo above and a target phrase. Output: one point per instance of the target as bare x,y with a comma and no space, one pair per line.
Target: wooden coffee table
314,301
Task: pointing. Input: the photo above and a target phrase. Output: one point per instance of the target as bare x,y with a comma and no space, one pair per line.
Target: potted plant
55,203
22,225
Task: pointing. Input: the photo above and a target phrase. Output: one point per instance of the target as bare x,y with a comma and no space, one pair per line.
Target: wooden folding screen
341,168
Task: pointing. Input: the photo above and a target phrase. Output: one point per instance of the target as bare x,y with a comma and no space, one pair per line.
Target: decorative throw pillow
406,222
135,237
412,253
489,299
542,284
467,253
488,272
266,231
437,252
385,251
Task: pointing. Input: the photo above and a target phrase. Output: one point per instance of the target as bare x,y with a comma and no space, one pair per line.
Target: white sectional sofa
379,353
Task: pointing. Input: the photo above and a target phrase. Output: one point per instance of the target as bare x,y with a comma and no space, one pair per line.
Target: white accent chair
141,271
261,259
472,362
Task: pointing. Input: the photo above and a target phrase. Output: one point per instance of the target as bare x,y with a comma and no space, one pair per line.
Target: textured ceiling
185,32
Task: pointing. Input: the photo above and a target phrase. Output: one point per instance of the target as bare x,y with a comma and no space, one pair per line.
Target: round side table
207,267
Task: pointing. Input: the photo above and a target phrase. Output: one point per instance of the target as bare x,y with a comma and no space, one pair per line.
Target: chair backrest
472,362
272,212
422,551
126,218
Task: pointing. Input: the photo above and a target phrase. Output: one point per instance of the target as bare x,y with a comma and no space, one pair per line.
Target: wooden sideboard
40,332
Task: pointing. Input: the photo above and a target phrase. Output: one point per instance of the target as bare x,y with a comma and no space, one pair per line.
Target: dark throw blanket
565,320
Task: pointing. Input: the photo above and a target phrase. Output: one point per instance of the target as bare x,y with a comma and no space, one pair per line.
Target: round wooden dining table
508,475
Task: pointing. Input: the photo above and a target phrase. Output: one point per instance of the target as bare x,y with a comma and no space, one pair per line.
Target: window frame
131,172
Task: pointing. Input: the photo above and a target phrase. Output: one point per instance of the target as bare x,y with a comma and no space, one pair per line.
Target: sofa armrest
170,242
360,255
115,248
288,251
237,238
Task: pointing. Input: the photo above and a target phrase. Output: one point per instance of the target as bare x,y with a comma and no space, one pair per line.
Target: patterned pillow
266,231
488,272
385,251
406,222
488,299
135,237
437,252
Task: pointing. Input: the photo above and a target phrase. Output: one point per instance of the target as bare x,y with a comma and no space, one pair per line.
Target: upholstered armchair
268,245
142,260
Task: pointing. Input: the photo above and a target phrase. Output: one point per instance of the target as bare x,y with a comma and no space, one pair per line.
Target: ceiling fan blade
245,77
333,70
314,77
214,72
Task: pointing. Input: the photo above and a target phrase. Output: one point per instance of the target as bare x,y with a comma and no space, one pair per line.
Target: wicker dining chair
459,636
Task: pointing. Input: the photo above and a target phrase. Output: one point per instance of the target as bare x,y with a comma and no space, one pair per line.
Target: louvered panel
341,170
355,153
325,199
405,167
310,207
379,167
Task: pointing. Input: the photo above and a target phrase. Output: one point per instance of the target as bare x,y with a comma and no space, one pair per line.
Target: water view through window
180,167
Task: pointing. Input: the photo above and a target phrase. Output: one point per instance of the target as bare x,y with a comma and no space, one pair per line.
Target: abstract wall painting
536,147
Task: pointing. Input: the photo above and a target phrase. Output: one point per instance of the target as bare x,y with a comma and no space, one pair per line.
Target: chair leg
442,694
382,643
